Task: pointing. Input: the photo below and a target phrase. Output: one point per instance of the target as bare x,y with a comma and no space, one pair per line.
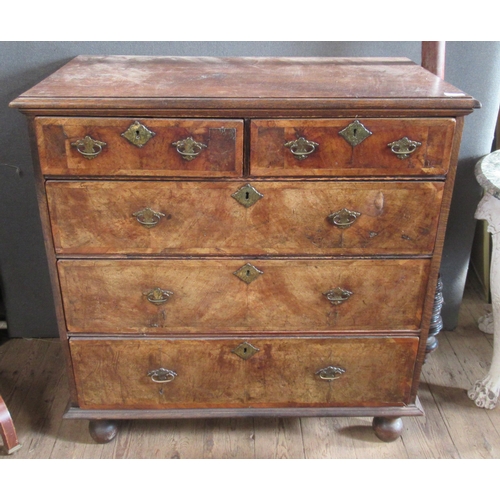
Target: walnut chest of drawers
244,237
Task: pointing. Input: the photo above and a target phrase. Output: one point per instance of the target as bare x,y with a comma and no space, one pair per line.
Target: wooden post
433,57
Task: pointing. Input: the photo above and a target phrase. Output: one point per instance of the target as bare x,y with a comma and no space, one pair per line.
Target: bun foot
103,431
387,429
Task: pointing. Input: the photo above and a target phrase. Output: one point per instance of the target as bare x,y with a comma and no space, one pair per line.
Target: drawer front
151,147
203,296
208,373
347,147
203,218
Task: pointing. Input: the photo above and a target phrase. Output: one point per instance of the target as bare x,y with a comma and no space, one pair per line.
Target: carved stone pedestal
485,391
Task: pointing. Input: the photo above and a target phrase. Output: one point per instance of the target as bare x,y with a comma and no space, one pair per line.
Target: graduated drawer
98,147
203,296
294,372
203,218
401,147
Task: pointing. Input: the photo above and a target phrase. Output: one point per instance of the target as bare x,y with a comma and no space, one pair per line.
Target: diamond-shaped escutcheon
355,133
247,195
248,273
138,134
245,350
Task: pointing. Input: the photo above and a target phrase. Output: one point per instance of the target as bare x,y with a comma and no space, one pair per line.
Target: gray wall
474,67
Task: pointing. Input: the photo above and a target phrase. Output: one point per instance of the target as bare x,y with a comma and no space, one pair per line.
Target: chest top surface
249,82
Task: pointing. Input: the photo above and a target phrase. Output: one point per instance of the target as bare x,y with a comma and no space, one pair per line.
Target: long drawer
235,218
347,147
231,296
146,147
210,373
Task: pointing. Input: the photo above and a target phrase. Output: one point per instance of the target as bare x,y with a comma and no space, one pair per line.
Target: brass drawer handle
162,375
188,148
301,148
157,296
330,373
88,147
337,295
343,218
148,217
404,147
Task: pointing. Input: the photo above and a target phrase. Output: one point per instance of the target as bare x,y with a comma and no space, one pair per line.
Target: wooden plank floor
33,384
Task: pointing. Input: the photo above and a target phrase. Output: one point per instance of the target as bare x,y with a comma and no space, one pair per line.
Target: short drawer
145,146
231,296
284,218
347,147
277,372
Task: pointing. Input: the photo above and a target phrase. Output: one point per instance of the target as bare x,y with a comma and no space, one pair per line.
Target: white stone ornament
485,392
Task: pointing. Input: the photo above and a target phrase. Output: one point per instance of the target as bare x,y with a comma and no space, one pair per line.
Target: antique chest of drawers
244,237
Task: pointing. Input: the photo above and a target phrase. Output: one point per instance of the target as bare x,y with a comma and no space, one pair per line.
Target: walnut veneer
244,236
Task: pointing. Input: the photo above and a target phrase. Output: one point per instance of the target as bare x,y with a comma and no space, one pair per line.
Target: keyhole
245,350
354,131
248,274
247,195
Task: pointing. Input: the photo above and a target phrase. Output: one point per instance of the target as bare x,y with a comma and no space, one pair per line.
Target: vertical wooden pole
433,57
433,60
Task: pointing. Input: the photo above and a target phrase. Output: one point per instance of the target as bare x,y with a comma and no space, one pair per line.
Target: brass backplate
247,195
138,134
248,273
337,295
245,350
355,133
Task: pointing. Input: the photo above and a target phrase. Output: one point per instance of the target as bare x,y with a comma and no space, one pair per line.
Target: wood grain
113,373
223,155
452,428
202,218
208,297
134,82
337,157
243,109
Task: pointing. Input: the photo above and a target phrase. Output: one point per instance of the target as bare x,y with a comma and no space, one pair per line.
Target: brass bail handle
343,218
162,375
337,295
88,147
188,148
404,147
301,148
330,373
158,296
148,217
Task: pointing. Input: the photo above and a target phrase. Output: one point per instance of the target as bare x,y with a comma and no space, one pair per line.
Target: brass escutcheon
162,375
330,373
343,218
245,350
138,134
248,273
88,147
188,148
404,147
337,295
355,133
157,296
247,195
301,148
148,217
